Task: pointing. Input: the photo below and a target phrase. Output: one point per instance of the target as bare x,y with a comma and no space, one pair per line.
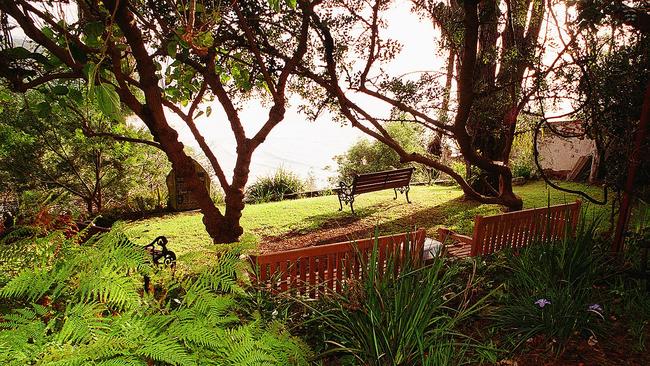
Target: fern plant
85,305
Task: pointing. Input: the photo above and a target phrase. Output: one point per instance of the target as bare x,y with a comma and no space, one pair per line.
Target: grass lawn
432,206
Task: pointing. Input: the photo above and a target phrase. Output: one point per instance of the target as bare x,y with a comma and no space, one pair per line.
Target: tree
349,42
503,62
611,77
49,146
152,55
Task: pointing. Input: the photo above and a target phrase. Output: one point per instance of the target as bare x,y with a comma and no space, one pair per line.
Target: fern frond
83,322
112,288
121,361
205,302
29,284
22,336
164,349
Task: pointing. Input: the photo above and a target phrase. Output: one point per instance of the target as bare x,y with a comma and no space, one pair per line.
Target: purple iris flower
595,307
542,302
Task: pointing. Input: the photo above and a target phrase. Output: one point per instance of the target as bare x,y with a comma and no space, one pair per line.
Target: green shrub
522,169
522,160
84,304
459,168
274,187
550,291
410,318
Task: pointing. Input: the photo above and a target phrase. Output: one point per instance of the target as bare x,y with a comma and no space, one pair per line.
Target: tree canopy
48,145
173,55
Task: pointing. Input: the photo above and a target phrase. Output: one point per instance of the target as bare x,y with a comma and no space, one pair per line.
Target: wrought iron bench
398,180
162,256
331,268
512,230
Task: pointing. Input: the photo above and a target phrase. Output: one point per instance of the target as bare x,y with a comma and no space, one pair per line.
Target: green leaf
43,109
89,70
208,111
108,101
47,31
204,39
171,48
76,96
94,29
60,90
292,3
275,4
5,96
17,53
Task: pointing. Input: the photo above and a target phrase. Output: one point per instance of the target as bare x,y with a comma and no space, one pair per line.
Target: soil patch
334,232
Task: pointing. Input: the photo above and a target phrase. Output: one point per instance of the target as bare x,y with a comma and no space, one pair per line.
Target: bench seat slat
378,187
398,177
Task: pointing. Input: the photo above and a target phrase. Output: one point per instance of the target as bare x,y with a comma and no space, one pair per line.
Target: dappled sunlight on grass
432,207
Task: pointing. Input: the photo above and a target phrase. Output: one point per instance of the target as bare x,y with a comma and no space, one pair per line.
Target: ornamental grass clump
551,291
408,317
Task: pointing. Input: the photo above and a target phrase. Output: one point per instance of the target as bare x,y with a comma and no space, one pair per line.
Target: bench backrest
372,182
318,270
520,228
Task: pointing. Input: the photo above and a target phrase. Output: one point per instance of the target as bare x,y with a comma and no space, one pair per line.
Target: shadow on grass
329,221
456,213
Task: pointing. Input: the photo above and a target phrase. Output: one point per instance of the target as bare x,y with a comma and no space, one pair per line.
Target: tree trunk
154,117
468,122
235,194
89,205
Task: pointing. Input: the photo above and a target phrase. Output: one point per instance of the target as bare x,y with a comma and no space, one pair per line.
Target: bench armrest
344,188
445,235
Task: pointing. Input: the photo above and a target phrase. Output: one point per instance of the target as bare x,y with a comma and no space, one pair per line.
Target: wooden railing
326,269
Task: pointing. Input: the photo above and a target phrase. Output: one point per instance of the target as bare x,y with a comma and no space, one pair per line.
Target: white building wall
560,154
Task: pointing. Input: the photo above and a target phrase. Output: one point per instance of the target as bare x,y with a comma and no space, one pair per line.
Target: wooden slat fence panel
325,269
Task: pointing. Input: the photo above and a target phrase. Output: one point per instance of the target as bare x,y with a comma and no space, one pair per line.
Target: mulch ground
340,230
336,231
614,350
